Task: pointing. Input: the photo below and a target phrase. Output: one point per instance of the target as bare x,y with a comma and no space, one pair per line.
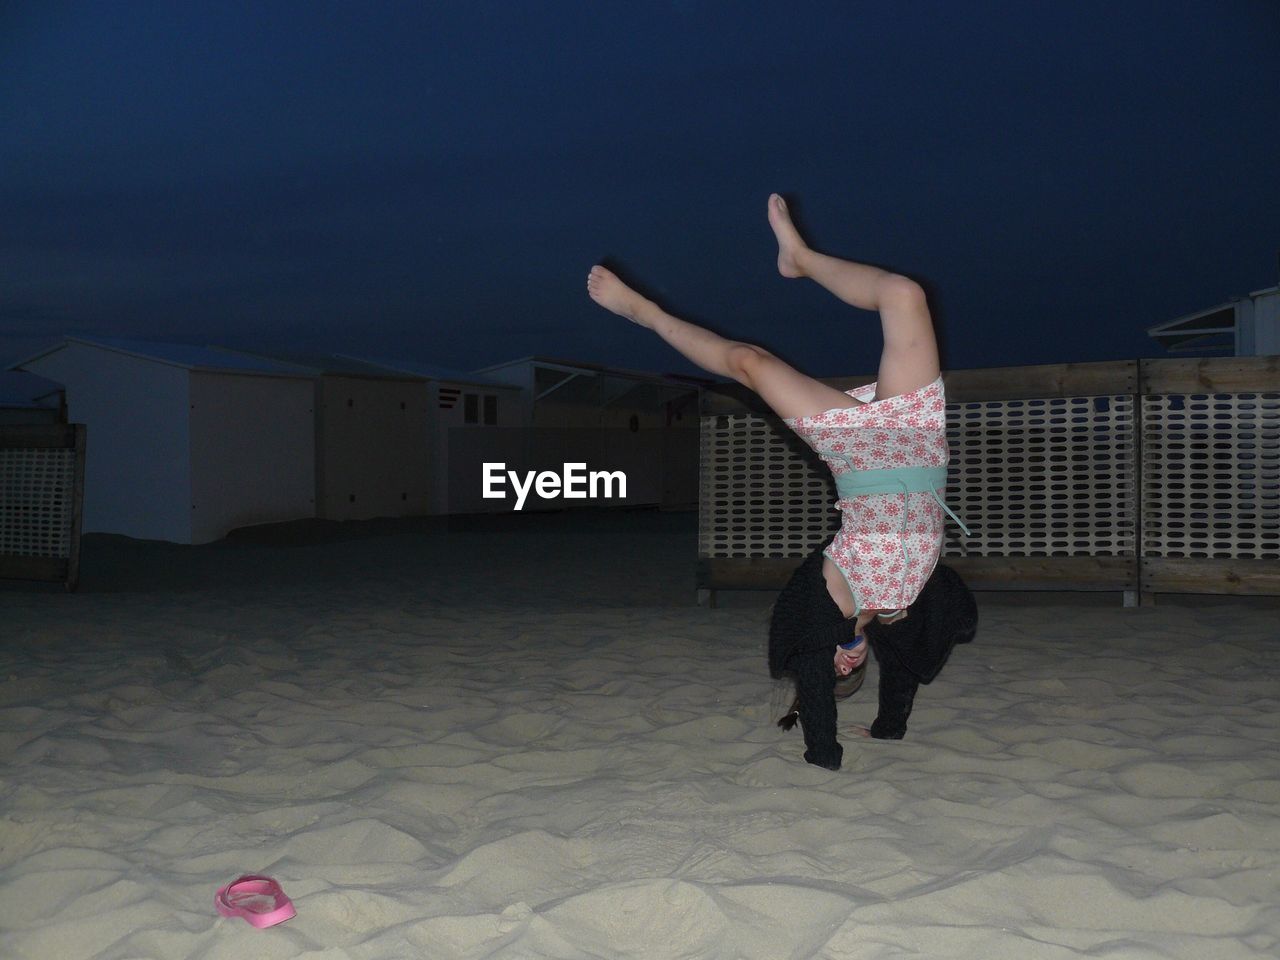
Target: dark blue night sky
434,179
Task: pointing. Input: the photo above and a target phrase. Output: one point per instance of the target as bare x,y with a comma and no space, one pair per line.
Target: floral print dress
888,543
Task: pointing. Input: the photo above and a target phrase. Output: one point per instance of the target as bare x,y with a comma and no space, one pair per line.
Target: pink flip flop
258,899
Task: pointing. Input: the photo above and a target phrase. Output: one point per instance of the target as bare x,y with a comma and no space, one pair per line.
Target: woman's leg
909,359
787,391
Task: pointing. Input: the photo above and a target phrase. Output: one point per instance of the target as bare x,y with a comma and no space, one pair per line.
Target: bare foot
791,248
606,289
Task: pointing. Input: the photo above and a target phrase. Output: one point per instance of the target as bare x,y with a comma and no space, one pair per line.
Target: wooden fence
1144,476
41,492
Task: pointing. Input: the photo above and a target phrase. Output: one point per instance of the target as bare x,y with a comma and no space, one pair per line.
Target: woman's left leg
787,391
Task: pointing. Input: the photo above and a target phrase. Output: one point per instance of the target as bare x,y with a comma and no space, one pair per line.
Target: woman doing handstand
885,443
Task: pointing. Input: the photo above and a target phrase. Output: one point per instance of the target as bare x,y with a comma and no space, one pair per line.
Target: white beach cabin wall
372,456
252,452
137,451
612,420
468,419
184,444
1259,327
461,448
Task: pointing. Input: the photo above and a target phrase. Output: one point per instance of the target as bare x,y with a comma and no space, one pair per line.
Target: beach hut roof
573,381
339,365
19,389
424,371
188,356
1204,329
581,366
1215,329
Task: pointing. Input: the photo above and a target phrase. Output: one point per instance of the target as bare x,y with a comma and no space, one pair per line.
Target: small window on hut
471,408
490,410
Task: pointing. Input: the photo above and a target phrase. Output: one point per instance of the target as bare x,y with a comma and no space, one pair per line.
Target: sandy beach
519,737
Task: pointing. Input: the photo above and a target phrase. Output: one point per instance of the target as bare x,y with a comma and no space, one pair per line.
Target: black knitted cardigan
806,626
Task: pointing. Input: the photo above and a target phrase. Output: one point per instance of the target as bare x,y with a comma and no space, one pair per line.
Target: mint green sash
861,483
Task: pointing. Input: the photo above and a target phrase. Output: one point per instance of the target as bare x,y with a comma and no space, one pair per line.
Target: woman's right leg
787,391
909,358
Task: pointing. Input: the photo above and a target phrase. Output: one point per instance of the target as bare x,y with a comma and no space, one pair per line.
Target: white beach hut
642,424
471,419
1242,327
186,443
372,458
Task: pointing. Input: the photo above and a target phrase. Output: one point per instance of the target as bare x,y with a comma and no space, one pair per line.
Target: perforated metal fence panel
41,490
760,494
1143,476
37,497
1048,477
1211,476
1053,477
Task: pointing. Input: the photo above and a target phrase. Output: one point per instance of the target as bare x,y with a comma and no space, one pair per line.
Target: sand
521,737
